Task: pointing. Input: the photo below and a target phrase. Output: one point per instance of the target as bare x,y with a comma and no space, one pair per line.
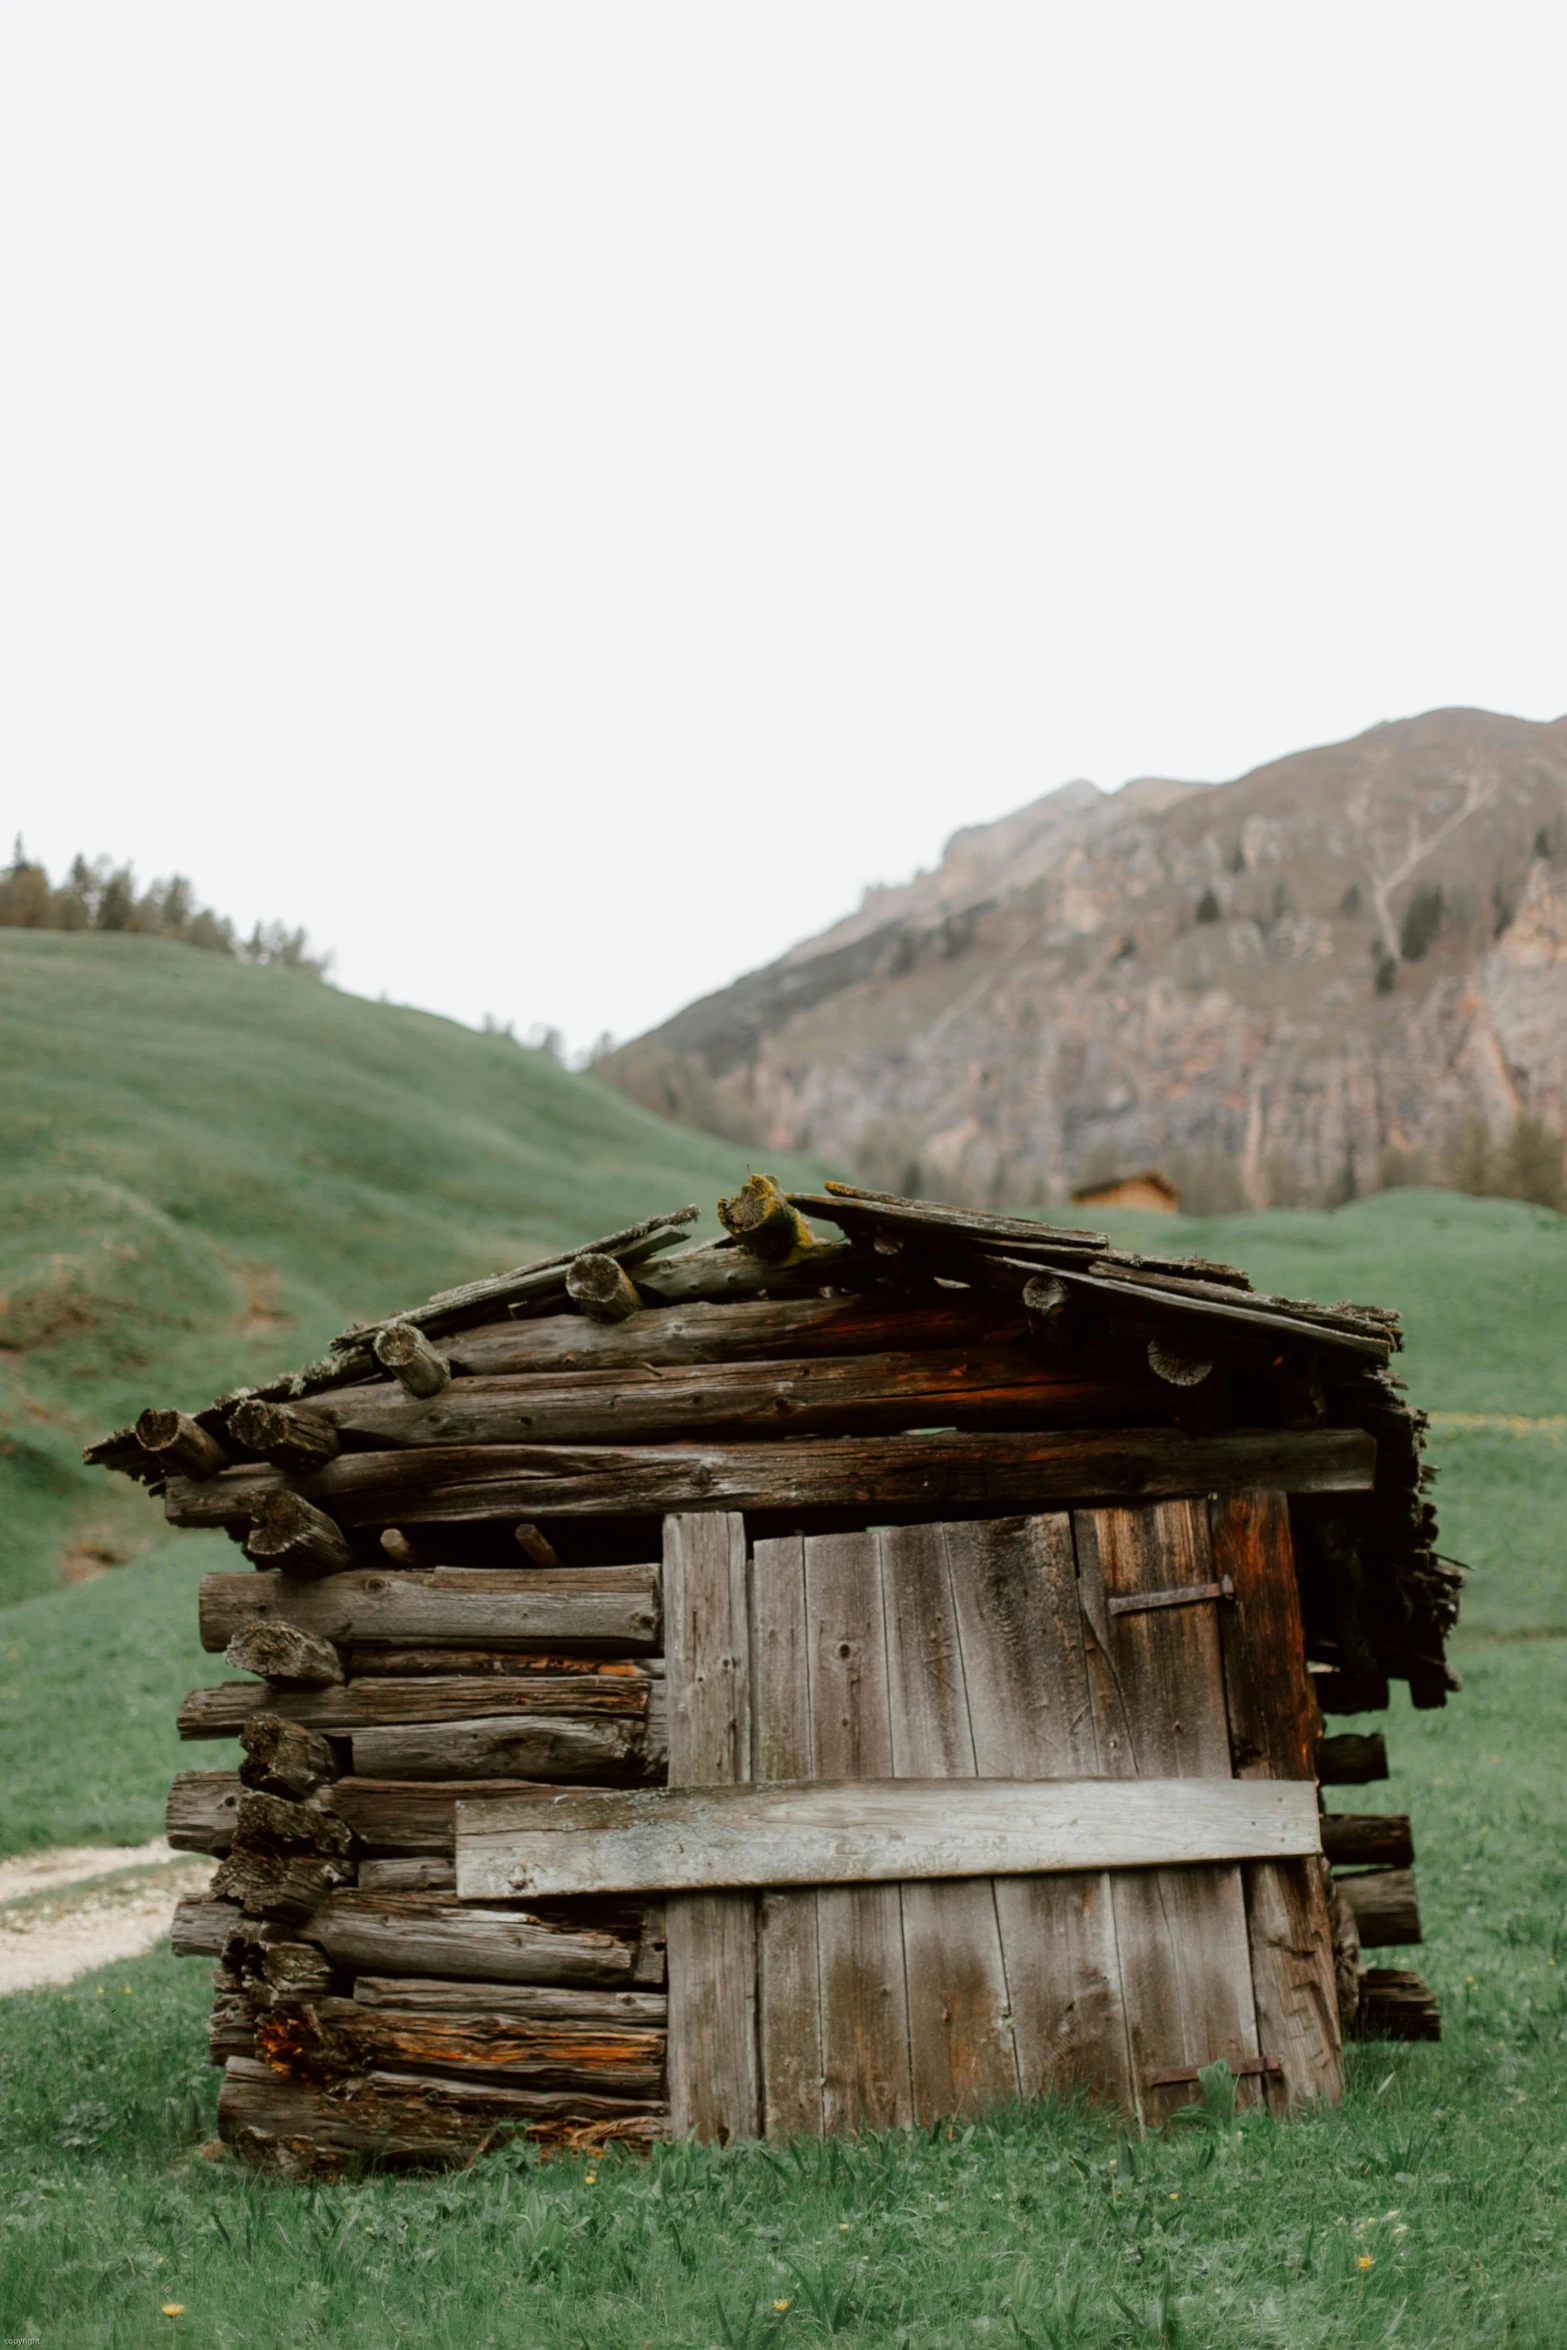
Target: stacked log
360,2011
447,1521
1374,1899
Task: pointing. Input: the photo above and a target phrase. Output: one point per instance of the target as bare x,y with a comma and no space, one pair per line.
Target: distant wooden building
1148,1190
791,1685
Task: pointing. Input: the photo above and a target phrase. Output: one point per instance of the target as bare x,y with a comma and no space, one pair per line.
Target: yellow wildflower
590,2178
173,2308
780,2306
1175,2194
1365,2260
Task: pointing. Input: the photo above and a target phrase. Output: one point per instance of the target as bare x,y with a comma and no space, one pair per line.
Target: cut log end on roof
765,1223
601,1288
474,1301
414,1363
293,1440
177,1445
291,1534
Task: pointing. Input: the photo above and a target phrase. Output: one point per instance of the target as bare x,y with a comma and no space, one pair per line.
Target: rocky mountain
1276,988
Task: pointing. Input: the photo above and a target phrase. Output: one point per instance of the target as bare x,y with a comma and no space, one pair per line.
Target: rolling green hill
208,1168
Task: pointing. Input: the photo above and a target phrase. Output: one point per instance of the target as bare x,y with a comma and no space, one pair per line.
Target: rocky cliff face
1266,985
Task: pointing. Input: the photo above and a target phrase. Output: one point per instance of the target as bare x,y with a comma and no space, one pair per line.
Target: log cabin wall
459,1604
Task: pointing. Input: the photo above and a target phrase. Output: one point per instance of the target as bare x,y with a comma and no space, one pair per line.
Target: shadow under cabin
804,1681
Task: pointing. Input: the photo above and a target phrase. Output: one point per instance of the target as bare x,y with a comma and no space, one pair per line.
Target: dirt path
63,1913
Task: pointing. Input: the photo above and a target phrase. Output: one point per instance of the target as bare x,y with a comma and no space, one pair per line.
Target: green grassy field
1444,2171
1429,2209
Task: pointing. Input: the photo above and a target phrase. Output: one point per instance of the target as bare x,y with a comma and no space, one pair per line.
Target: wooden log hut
798,1683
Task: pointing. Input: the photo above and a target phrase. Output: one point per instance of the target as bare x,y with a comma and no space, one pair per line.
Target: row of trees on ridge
100,895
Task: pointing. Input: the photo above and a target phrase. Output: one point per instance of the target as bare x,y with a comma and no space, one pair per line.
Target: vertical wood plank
1020,1630
713,2083
962,2056
866,2082
1272,1736
788,1972
1272,1712
1157,1682
707,1649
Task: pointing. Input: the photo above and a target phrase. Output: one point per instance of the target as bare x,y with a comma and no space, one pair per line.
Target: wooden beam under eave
943,1474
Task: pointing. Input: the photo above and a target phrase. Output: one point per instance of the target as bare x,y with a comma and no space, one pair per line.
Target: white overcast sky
556,497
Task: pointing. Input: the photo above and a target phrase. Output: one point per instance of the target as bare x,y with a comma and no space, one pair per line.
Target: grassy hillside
209,1168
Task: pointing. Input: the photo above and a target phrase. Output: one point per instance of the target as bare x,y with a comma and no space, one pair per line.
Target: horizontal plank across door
870,1831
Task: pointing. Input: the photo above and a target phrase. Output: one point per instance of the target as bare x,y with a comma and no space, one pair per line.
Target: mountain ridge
1352,950
1020,838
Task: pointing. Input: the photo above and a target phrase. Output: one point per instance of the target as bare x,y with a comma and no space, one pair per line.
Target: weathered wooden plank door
1052,1647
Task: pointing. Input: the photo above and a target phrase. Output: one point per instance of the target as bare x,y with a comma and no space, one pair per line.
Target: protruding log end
201,1811
414,1363
1367,1839
282,1653
290,1533
536,1547
1052,1318
1383,1901
285,1758
269,1822
764,1222
178,1444
296,1970
1396,2004
398,1548
295,1441
601,1289
202,1927
1178,1366
1351,1693
1351,1758
286,1884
